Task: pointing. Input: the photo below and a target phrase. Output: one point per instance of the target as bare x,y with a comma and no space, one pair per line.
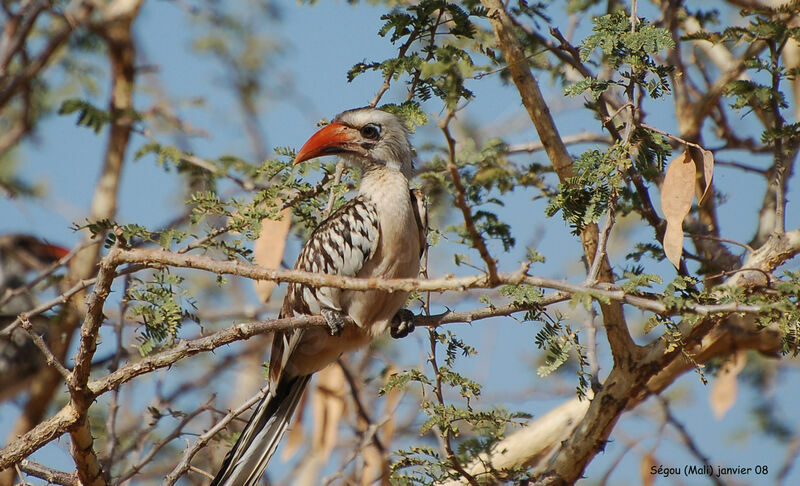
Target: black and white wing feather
341,245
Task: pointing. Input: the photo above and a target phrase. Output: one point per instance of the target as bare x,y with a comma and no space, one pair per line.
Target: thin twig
10,293
113,406
184,464
360,408
738,165
176,433
780,155
412,88
39,342
52,476
337,177
649,302
61,299
244,330
687,439
81,15
610,118
206,165
669,135
530,56
591,348
21,23
723,240
387,79
446,435
600,254
461,201
288,203
355,451
582,137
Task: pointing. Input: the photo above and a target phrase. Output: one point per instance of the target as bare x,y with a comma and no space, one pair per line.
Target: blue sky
321,43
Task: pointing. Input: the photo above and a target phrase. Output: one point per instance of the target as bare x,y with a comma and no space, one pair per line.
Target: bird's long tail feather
246,461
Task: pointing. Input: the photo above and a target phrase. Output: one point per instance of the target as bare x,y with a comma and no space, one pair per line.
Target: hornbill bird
378,233
19,358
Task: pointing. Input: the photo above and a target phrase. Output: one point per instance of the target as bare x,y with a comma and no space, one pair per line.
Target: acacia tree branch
119,16
23,446
76,17
104,199
81,445
245,330
530,445
158,258
655,370
461,201
16,31
446,435
787,245
687,438
45,350
533,446
582,137
387,79
623,348
59,424
570,55
52,476
177,432
661,366
185,463
91,327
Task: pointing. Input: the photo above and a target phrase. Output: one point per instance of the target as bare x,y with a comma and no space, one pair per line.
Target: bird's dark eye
371,131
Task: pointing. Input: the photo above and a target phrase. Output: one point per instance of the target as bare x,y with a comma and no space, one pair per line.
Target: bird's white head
367,138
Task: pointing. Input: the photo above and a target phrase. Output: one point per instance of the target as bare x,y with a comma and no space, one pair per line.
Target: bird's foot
335,320
402,324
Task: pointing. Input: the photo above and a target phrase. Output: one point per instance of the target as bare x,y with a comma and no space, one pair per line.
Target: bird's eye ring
371,131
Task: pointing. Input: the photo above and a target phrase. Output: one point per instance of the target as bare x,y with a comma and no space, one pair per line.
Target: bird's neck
381,183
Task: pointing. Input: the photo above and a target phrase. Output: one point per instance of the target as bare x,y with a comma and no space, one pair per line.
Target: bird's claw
335,320
402,324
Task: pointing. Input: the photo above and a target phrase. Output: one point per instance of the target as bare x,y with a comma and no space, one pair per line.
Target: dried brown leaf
268,250
673,243
328,408
708,172
376,467
296,435
645,469
677,193
725,388
391,402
